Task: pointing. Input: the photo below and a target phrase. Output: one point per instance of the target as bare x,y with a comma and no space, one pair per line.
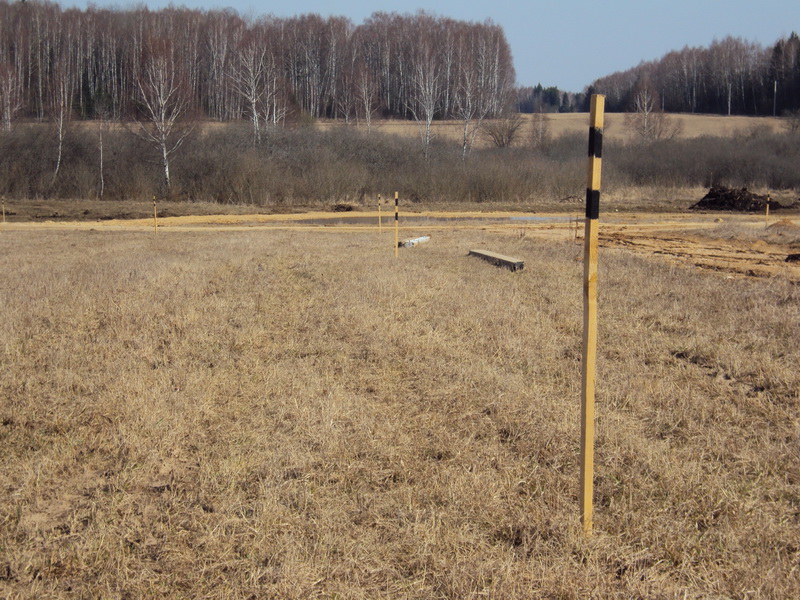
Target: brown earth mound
784,226
720,197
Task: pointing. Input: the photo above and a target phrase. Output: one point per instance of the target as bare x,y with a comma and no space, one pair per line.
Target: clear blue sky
562,43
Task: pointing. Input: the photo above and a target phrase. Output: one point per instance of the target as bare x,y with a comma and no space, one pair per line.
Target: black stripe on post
595,142
595,157
592,204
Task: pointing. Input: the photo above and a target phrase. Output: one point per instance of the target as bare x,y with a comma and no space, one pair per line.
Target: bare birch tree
276,101
470,109
471,97
10,94
104,125
60,109
643,118
647,120
426,90
367,93
540,130
164,102
250,83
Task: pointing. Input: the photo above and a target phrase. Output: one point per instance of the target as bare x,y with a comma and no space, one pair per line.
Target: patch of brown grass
299,414
38,210
616,126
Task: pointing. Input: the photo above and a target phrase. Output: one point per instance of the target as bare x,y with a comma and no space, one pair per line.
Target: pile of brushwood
720,197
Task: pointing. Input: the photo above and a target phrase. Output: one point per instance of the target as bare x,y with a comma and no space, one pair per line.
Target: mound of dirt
720,197
784,226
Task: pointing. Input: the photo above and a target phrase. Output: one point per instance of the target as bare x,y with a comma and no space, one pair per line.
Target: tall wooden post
155,217
766,213
396,225
380,223
590,311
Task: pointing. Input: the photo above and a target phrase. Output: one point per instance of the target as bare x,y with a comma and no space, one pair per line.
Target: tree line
304,166
730,77
540,99
102,63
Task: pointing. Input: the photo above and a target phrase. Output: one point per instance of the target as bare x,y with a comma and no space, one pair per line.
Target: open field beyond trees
218,411
617,129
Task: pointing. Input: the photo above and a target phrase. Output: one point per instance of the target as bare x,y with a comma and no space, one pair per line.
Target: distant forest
730,77
541,99
109,63
103,63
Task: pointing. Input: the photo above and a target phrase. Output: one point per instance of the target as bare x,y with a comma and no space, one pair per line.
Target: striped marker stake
396,226
766,214
590,311
380,224
155,217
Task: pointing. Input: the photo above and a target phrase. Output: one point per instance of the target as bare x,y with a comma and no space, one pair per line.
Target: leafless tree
645,107
366,79
540,130
249,81
103,127
325,67
647,120
275,107
504,131
426,86
346,90
164,102
470,110
792,121
61,109
223,33
367,95
731,76
470,105
10,94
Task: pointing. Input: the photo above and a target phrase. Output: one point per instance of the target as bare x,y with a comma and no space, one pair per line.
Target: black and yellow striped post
766,213
590,311
155,217
380,223
396,225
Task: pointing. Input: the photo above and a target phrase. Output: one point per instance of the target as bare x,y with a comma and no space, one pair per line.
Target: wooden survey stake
766,214
396,225
590,311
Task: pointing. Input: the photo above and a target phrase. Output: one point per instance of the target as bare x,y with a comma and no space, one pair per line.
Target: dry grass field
616,127
298,414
